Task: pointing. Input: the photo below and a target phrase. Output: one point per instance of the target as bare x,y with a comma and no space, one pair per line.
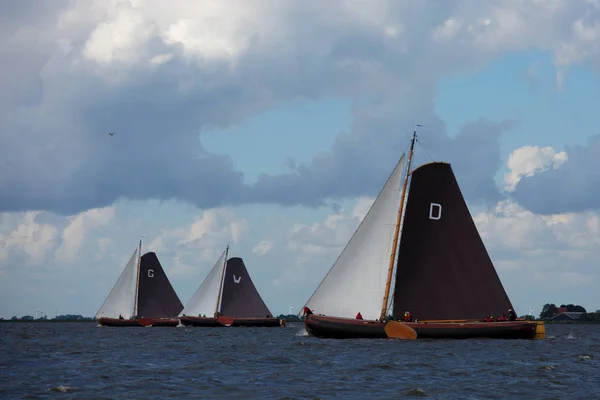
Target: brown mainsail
240,299
156,296
444,271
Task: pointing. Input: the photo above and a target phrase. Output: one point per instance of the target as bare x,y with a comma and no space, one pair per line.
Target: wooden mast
221,285
388,282
137,281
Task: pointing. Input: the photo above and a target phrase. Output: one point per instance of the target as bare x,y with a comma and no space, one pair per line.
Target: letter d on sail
237,280
438,211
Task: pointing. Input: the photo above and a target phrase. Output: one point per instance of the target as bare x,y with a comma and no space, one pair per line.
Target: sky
272,126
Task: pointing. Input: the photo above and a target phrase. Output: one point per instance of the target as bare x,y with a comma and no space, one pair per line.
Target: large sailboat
227,297
444,277
155,303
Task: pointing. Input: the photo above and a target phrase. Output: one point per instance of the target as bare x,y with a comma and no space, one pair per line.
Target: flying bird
111,134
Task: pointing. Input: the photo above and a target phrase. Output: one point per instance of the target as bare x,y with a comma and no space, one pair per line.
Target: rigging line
427,154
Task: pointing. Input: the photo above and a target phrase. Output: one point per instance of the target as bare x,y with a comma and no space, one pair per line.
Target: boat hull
155,322
343,328
116,322
257,322
346,328
172,322
229,321
200,322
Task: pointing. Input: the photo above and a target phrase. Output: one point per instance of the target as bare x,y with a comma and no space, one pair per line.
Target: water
83,361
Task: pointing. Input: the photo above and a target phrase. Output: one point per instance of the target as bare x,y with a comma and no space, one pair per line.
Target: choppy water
81,360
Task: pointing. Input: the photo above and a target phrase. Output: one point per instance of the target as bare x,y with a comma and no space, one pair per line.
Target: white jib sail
204,301
120,297
356,282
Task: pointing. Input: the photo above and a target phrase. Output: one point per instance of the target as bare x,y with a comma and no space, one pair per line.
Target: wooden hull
115,322
256,322
200,321
229,321
346,328
164,322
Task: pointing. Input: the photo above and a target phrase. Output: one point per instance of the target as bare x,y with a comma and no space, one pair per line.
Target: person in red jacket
359,315
408,316
307,311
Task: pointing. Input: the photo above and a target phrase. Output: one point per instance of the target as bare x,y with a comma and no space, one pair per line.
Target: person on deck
512,316
307,311
502,318
359,315
120,316
408,316
490,318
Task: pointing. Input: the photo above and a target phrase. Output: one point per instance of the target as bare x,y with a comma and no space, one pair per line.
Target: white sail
356,282
120,297
204,301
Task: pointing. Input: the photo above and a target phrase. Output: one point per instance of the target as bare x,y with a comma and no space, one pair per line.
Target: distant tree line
290,317
550,310
66,317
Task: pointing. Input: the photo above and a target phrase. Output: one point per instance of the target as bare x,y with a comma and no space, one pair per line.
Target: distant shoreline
79,321
37,321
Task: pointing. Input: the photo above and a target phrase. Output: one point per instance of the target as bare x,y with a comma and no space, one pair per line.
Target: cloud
23,235
159,74
200,242
572,187
529,160
264,247
73,235
332,234
513,228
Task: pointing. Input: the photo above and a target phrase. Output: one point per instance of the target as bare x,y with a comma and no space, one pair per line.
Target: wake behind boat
155,303
443,273
227,297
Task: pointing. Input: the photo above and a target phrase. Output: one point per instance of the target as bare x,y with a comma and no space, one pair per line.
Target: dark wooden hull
257,322
155,322
346,328
200,321
343,328
165,322
229,321
116,322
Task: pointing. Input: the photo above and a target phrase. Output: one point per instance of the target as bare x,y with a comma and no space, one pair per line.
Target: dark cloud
56,155
573,187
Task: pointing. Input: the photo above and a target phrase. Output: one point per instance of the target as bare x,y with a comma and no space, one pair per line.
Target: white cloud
22,233
121,38
331,235
264,247
73,235
528,160
202,241
512,227
227,30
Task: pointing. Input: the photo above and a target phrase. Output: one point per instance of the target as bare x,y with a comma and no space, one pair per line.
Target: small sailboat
227,297
444,277
155,303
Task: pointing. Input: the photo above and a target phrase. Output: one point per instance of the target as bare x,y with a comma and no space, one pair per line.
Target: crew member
512,315
359,315
307,311
408,316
